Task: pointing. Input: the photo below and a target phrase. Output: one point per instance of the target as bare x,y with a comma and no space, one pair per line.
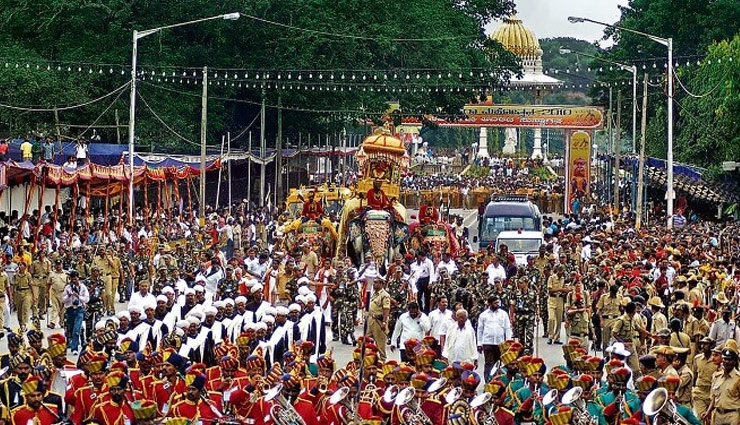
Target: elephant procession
356,311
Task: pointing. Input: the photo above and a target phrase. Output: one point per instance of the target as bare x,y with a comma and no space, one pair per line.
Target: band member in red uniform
229,375
312,209
145,412
503,416
86,397
34,411
304,402
428,214
196,406
171,385
116,410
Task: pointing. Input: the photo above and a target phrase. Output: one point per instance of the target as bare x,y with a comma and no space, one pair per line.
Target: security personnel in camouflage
443,287
127,273
161,280
481,291
228,287
346,302
142,267
463,288
503,294
95,307
398,289
525,308
541,288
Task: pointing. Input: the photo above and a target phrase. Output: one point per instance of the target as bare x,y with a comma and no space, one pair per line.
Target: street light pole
630,68
669,154
668,42
137,35
131,127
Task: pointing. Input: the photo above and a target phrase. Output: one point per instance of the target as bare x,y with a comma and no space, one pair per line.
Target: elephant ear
401,233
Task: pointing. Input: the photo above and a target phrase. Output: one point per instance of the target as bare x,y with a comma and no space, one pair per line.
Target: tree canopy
45,37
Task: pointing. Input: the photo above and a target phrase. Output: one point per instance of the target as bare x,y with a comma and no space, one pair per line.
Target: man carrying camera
75,300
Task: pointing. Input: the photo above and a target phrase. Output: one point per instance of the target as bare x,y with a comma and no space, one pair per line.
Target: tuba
390,394
574,398
412,414
657,402
484,401
549,399
342,396
282,412
459,408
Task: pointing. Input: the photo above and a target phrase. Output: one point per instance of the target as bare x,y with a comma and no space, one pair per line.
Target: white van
521,243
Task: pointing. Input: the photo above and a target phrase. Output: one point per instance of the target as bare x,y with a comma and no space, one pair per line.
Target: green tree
709,128
100,32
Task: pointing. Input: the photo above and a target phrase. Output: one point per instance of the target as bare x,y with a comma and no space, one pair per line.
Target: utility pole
203,127
279,154
641,167
249,174
617,151
262,152
118,129
220,172
228,158
610,144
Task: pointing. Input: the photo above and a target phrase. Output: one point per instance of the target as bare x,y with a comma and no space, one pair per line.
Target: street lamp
630,68
132,108
668,42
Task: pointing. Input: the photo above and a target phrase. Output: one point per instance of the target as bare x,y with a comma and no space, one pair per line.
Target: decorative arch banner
578,172
522,116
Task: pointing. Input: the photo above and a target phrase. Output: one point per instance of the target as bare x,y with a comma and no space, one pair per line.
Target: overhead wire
697,96
356,37
64,108
167,126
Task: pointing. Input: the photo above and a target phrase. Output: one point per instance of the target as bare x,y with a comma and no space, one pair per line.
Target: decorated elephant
375,233
321,236
435,238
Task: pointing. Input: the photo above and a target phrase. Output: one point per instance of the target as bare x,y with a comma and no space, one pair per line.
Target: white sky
549,18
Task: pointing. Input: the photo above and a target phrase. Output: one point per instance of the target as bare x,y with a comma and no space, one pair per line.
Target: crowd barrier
548,203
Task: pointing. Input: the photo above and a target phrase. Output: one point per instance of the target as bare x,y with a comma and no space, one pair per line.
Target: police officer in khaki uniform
57,282
557,292
380,309
40,275
703,370
22,295
579,321
103,262
683,392
4,287
115,277
608,310
624,331
725,391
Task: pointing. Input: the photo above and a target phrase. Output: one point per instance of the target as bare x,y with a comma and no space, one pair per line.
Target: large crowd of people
223,324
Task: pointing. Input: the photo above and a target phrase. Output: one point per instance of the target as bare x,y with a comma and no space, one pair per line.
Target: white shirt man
460,343
142,297
441,319
412,324
447,263
494,327
422,268
495,270
724,329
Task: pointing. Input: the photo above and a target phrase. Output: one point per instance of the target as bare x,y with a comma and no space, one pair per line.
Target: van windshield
492,226
520,245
